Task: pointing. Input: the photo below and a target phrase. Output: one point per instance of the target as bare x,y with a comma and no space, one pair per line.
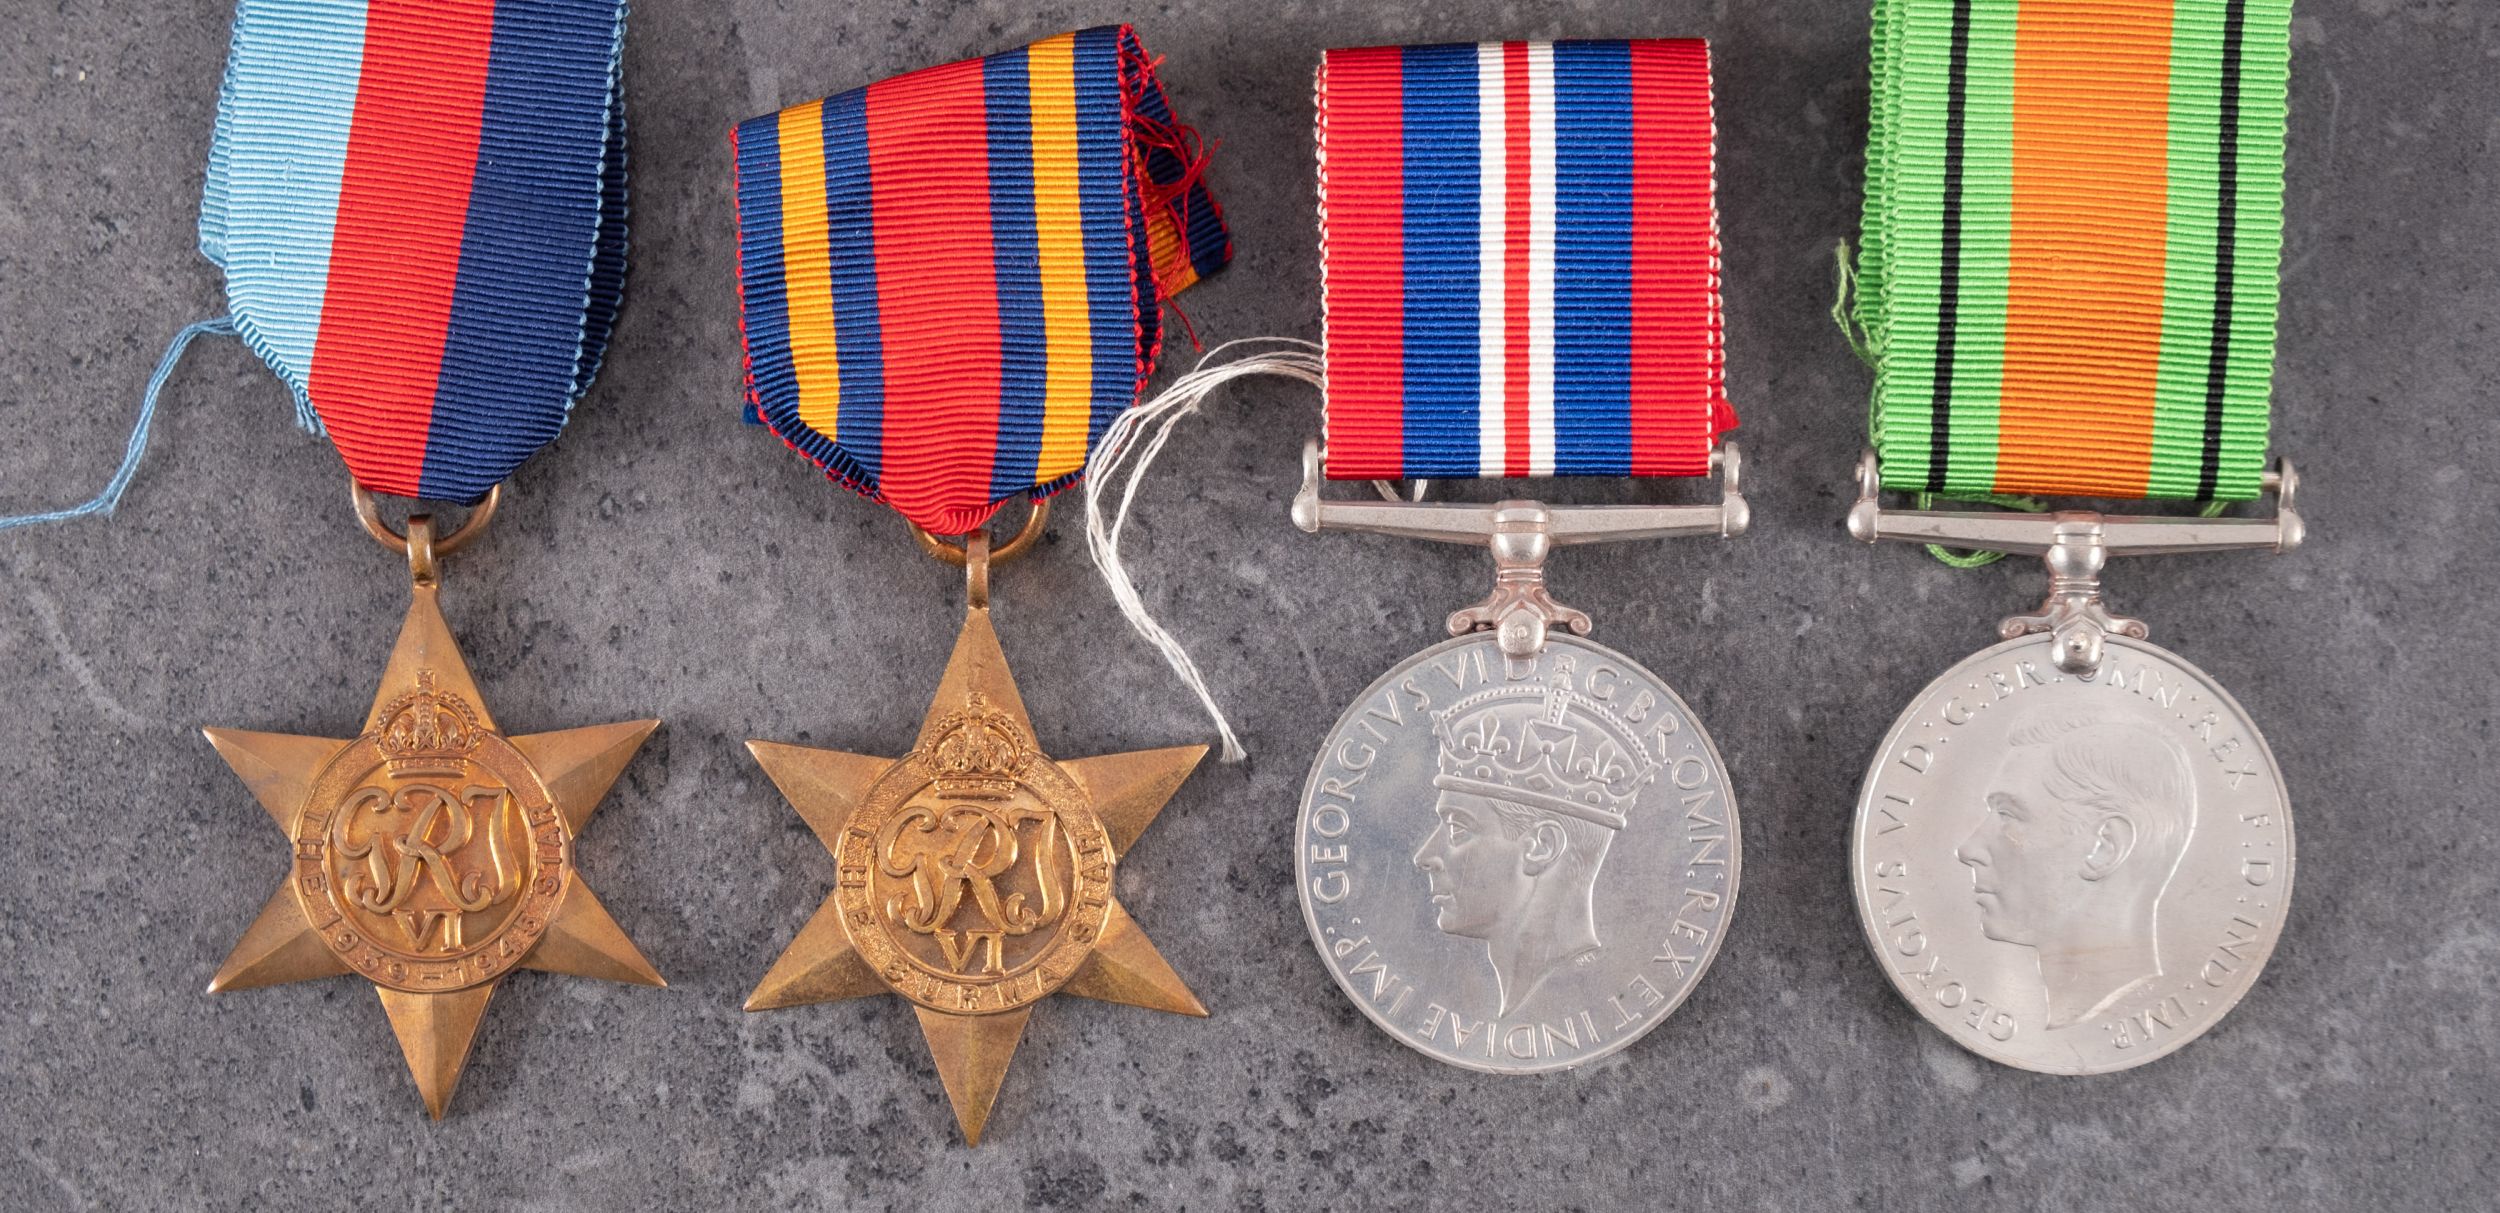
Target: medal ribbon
420,209
951,281
2074,213
1520,259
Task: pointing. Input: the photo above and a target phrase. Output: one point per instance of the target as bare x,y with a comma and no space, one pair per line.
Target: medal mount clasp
2075,545
1520,534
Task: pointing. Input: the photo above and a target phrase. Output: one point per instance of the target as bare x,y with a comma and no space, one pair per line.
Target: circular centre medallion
1517,866
2073,875
429,856
975,877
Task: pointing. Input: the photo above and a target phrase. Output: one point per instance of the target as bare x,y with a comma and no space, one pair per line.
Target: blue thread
112,495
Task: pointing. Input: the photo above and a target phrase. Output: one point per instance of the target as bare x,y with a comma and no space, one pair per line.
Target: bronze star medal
432,854
973,875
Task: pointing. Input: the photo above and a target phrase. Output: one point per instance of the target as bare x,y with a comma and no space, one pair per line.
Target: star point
435,1034
972,1052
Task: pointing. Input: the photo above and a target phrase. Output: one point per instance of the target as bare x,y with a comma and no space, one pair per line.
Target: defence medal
420,216
944,361
1517,850
2073,851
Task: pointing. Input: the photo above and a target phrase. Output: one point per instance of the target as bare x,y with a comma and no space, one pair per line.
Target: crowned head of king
1535,779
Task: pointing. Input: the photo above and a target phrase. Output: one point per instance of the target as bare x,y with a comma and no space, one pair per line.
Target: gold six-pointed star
973,875
431,854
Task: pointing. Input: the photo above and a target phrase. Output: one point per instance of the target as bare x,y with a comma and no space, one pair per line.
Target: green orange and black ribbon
2072,229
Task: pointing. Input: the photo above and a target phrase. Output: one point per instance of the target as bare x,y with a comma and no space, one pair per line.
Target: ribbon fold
951,281
419,206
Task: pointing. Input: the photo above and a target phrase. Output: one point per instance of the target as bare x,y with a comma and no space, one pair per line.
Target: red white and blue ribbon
420,209
1520,260
951,281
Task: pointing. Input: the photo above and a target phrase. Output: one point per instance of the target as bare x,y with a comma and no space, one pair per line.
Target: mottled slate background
661,558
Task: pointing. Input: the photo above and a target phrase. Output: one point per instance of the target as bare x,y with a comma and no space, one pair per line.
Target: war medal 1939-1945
1517,850
420,215
2073,851
962,349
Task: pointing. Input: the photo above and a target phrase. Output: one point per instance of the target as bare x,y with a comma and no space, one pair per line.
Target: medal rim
1709,954
1859,894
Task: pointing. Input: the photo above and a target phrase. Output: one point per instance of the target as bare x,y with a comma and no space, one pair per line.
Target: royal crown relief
977,877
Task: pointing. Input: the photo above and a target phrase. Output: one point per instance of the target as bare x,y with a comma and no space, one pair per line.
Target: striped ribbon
2073,221
1520,257
950,282
419,206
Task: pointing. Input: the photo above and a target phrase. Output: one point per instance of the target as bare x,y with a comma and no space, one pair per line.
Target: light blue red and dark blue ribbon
420,209
952,281
1520,256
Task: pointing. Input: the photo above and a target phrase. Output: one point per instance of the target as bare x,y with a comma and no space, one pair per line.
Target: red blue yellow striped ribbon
419,206
951,281
1520,256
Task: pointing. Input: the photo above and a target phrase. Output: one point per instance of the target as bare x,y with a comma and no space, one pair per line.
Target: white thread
1120,443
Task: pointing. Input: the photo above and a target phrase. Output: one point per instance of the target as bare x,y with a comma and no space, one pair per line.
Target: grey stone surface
662,559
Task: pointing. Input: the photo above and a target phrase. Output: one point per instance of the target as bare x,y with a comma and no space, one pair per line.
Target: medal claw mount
1520,534
2075,544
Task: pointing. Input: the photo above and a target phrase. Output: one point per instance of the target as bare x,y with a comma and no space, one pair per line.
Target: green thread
1846,305
1957,559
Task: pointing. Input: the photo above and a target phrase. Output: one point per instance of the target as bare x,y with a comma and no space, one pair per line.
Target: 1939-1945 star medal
420,215
433,855
1006,329
2073,850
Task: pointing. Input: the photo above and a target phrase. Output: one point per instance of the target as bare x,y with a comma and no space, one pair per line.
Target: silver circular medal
1517,866
2072,875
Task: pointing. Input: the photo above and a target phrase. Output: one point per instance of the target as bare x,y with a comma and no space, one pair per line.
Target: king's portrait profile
1535,781
2081,827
